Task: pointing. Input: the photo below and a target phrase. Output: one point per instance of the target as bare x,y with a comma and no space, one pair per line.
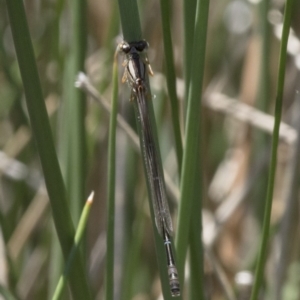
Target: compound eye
125,47
142,45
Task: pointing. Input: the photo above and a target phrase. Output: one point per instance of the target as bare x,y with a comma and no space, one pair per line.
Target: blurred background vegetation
239,94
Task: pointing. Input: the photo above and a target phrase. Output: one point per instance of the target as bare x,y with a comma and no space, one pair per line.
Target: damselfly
136,68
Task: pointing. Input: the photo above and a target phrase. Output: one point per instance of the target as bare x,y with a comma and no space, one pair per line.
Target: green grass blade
76,105
130,21
171,77
134,253
77,240
272,171
56,263
44,142
196,288
189,181
109,289
189,15
63,149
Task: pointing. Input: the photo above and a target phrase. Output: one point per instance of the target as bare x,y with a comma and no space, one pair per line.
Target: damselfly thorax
136,64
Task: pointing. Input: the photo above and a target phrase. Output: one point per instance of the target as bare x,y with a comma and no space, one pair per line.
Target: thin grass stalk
271,179
132,32
195,241
133,256
189,182
72,134
261,139
110,236
44,142
77,240
189,16
171,78
64,145
130,21
56,263
76,104
133,232
64,138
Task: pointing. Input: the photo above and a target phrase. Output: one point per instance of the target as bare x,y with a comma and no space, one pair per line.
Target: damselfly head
133,46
